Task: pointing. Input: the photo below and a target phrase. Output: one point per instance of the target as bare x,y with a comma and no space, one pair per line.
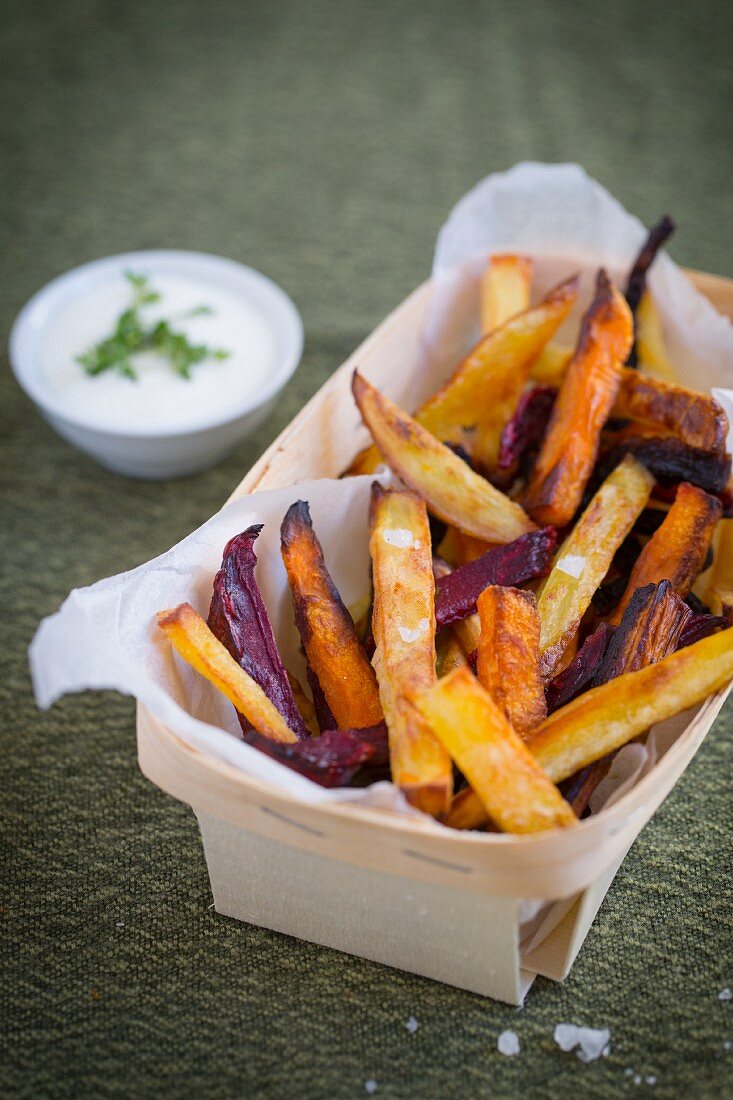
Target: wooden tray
444,904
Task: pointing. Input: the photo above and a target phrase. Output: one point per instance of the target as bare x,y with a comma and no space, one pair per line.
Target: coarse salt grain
591,1042
400,537
638,1078
508,1043
370,1086
412,1025
410,634
651,1079
572,564
725,995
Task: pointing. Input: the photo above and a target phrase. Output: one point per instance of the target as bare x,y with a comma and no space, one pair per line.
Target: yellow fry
515,792
504,289
191,637
720,589
454,492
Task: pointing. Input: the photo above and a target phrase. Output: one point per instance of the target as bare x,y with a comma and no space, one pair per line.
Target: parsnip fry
677,550
606,717
326,628
487,383
403,622
454,492
586,555
504,290
695,418
193,640
585,400
516,794
509,655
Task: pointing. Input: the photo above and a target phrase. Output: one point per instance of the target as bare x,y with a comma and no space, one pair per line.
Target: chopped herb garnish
132,335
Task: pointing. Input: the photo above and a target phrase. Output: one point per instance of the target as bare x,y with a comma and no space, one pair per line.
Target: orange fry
191,637
515,792
677,550
586,397
454,492
695,418
509,655
326,628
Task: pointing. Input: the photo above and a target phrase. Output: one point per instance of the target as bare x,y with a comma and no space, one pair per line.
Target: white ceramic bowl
158,452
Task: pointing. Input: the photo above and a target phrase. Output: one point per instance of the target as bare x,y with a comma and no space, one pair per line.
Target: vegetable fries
484,654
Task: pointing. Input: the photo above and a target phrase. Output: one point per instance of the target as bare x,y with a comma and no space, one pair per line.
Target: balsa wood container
397,890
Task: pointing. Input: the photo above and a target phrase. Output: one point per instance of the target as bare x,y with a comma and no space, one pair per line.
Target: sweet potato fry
509,655
525,559
677,551
403,622
194,641
695,418
454,492
570,448
651,627
238,618
515,793
326,628
504,289
585,556
606,717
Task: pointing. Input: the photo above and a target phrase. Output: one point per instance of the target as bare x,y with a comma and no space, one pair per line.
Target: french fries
695,418
504,290
509,655
586,397
403,623
514,791
485,383
452,490
719,595
191,637
584,558
326,628
677,550
607,717
651,352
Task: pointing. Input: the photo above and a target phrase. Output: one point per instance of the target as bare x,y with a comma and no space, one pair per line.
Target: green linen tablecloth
323,144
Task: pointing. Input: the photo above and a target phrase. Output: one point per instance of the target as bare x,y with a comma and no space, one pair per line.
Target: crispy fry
509,655
586,397
579,673
467,811
585,556
326,629
454,492
551,365
670,459
305,706
513,789
194,641
677,551
695,418
486,384
606,717
651,353
651,627
504,289
450,654
403,622
526,429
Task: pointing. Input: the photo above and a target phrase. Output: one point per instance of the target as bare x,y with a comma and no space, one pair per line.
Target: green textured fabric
323,144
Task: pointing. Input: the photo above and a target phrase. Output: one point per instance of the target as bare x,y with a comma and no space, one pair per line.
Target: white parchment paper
105,636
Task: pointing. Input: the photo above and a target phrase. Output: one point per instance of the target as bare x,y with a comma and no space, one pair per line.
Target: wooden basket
445,904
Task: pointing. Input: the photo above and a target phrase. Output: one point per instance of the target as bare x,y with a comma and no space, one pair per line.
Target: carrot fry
509,655
454,492
677,551
403,622
515,793
586,555
585,400
326,628
194,641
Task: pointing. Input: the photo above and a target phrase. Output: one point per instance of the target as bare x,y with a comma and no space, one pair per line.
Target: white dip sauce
159,398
